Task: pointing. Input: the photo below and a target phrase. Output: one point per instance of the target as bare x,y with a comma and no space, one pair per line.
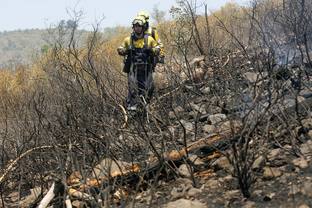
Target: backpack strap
153,32
131,41
145,46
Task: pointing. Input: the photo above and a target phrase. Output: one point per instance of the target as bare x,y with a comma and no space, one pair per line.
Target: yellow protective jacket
138,43
131,42
151,31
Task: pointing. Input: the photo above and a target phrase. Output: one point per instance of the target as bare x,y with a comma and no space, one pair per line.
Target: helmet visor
138,22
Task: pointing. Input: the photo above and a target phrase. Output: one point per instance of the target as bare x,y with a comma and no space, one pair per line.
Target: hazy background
26,14
24,23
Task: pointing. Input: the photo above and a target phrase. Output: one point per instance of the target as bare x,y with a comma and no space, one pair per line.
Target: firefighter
152,31
139,50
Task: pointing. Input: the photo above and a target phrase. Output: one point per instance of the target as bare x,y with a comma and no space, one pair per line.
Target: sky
28,14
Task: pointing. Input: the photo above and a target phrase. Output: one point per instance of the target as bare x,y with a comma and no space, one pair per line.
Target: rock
232,194
162,80
196,61
258,192
209,72
212,184
139,196
189,86
222,163
215,110
274,153
178,110
246,98
293,190
287,103
307,188
251,77
79,204
225,127
307,123
306,148
270,172
216,118
288,147
205,90
303,206
228,125
249,204
199,108
193,115
193,192
258,163
185,181
300,162
306,93
189,127
13,197
109,166
228,178
281,133
310,134
184,171
184,203
268,197
171,115
196,160
177,192
300,99
209,128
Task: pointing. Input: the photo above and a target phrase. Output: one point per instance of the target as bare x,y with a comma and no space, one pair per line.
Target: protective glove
122,51
161,59
156,50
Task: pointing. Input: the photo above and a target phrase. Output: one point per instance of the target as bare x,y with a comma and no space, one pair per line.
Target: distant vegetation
63,112
24,46
20,46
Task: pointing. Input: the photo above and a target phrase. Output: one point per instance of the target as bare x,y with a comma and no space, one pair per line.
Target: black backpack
137,55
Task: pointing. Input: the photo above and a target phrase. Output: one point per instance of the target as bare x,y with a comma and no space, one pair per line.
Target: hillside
24,46
228,125
20,47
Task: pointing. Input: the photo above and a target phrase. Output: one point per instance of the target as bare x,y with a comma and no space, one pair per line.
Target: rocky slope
267,136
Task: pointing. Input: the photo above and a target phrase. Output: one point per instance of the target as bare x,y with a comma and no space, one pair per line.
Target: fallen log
131,174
